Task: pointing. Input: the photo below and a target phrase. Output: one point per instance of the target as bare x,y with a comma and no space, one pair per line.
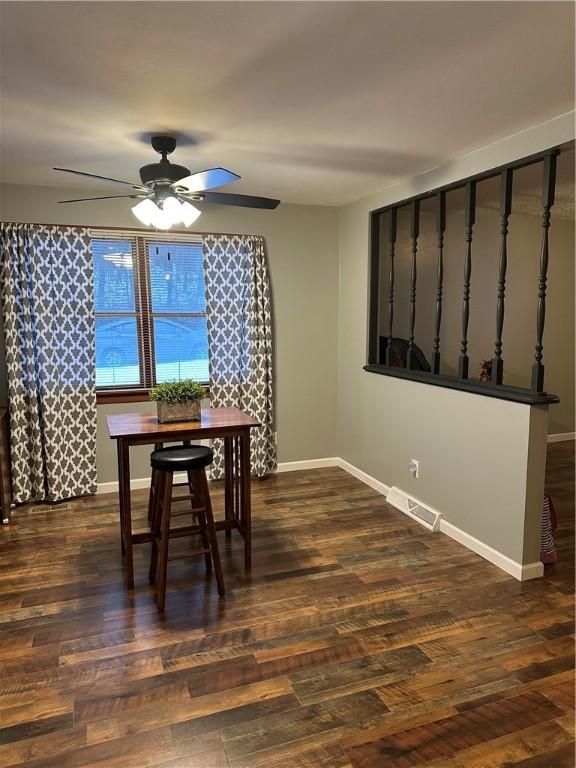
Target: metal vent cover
415,509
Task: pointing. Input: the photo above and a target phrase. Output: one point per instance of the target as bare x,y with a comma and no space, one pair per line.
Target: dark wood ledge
122,396
514,394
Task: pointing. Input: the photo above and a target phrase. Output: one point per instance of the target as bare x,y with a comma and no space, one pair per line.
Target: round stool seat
182,458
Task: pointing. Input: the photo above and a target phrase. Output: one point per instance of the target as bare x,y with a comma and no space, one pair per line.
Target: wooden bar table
231,424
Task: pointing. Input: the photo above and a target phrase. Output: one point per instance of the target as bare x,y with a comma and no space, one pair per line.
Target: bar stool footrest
189,530
187,555
188,512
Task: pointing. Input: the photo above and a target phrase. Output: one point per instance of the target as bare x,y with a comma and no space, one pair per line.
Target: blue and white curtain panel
239,319
46,297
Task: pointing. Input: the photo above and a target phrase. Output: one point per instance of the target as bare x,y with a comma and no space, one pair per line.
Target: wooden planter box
189,411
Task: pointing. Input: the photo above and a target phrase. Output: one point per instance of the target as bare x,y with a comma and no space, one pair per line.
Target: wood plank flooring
358,641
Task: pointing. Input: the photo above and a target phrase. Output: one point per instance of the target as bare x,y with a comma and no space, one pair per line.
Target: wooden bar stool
165,462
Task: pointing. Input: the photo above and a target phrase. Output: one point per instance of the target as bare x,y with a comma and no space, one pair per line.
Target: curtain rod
135,229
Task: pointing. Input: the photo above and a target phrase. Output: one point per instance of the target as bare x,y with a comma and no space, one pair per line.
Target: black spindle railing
415,367
391,253
548,187
414,232
440,227
463,362
505,210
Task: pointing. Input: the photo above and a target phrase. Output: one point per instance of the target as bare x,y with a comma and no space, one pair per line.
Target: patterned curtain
239,317
47,305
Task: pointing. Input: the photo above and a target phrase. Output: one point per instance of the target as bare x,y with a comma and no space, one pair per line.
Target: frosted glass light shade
171,206
189,213
171,212
162,220
145,211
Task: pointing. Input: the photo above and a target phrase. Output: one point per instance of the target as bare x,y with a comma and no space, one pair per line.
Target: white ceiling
311,102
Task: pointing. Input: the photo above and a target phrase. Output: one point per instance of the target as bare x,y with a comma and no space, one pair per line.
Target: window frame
126,393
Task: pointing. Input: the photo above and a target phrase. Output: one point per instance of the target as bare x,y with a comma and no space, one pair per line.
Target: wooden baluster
414,231
505,210
440,228
470,218
548,188
391,253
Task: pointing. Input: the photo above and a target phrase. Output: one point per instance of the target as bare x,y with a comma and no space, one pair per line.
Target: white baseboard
364,477
287,466
531,571
135,484
293,466
561,437
517,570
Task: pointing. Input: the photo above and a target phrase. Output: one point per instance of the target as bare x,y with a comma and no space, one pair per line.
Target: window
150,305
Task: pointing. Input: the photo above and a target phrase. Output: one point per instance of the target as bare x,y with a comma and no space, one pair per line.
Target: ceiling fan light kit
168,188
188,213
170,212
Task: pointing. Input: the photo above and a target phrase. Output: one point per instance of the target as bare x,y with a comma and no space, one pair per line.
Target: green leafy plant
178,391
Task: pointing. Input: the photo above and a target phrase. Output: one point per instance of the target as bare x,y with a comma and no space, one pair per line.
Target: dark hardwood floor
359,641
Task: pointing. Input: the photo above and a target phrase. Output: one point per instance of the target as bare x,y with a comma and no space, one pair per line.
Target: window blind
150,304
117,310
177,311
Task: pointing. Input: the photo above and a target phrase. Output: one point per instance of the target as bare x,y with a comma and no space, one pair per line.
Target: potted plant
178,400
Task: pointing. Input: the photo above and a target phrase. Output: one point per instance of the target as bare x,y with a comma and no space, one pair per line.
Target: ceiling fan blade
106,197
102,178
244,201
209,179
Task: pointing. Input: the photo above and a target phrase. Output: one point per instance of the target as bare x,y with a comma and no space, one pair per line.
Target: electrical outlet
414,468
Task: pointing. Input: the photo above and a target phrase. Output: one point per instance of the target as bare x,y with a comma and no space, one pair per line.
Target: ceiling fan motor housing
164,171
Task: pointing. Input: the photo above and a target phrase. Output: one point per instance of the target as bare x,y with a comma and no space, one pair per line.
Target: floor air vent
427,517
47,507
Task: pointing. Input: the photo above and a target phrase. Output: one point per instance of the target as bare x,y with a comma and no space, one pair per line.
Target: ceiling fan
167,190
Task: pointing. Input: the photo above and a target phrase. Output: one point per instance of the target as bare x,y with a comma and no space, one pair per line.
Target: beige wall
481,459
303,255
